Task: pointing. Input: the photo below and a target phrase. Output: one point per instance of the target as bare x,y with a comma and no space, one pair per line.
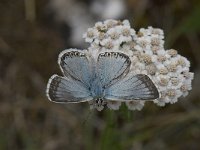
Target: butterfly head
99,103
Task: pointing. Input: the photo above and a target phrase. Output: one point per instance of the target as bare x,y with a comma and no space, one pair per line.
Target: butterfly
98,79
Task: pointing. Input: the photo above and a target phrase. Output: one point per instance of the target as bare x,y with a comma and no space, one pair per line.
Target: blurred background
33,33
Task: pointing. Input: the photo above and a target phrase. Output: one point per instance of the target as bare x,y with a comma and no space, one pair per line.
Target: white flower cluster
167,69
109,35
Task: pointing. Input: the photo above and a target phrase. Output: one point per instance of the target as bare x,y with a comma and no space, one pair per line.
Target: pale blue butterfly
100,79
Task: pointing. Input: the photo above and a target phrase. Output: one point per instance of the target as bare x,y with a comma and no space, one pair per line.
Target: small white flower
113,105
145,32
183,61
156,41
146,58
173,95
140,66
126,23
126,31
110,44
135,105
99,24
90,35
160,102
151,69
161,52
172,52
138,48
157,31
160,66
126,48
105,41
113,33
184,94
188,75
136,71
145,39
110,23
134,60
163,82
123,39
143,72
155,49
175,82
187,85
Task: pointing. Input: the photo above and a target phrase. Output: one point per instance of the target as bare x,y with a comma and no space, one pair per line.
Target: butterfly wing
61,89
75,64
132,87
111,66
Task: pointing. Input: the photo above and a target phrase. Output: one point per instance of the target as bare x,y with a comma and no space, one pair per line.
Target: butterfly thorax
96,89
97,92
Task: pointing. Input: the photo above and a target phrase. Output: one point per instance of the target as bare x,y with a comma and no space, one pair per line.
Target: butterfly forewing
111,66
60,89
132,87
76,65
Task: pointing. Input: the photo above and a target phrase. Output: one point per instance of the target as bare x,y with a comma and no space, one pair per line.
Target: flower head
168,70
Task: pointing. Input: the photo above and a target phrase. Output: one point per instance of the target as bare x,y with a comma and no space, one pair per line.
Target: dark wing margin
112,66
75,64
63,90
132,87
154,93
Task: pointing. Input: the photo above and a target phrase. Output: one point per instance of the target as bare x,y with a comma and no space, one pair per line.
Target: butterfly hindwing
132,87
111,66
61,89
76,65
